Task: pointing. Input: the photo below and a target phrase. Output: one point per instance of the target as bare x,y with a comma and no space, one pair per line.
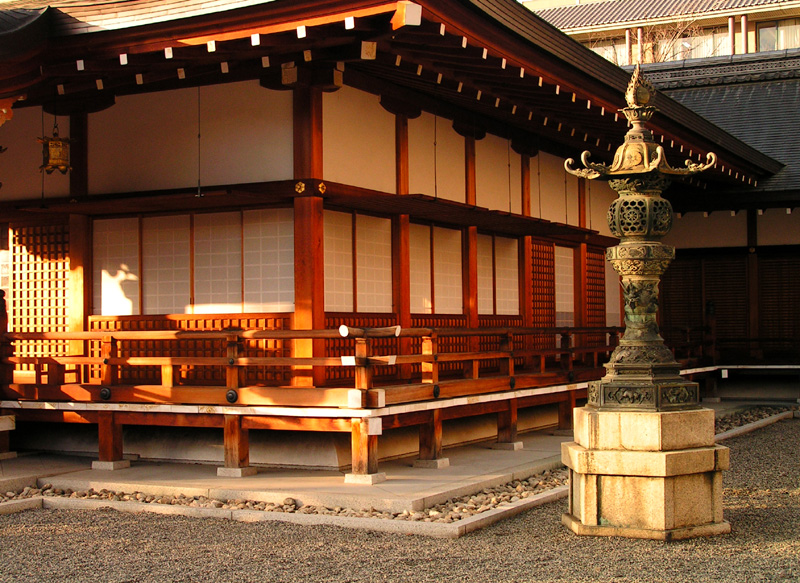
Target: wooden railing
441,373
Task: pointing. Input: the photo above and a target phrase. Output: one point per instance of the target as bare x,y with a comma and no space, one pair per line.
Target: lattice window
544,290
595,293
39,286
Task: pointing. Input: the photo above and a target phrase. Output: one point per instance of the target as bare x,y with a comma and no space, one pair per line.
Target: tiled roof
621,11
756,102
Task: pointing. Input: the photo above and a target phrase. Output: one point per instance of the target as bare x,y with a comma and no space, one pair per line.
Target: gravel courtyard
762,502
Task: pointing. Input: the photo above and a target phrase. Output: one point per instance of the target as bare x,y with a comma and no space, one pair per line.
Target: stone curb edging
437,530
736,431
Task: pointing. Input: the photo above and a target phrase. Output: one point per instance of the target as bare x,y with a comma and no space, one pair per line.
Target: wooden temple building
308,233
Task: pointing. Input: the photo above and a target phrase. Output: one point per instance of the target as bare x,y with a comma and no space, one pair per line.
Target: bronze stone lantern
642,373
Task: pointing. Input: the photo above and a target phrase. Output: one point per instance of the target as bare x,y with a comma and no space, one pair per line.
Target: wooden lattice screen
680,298
596,293
779,310
39,286
544,289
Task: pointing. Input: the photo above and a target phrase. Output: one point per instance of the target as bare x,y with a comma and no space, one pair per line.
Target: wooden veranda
241,379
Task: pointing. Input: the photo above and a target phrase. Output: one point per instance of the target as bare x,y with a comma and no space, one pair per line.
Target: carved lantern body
644,463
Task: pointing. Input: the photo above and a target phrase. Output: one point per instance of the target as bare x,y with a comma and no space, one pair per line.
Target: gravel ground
762,502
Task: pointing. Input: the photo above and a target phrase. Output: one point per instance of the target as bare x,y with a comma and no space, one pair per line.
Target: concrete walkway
472,468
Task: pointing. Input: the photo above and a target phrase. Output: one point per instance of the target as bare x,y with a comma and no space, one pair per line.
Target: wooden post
364,451
309,262
234,374
363,374
430,370
507,364
80,282
109,373
565,411
109,434
566,354
430,443
507,428
237,449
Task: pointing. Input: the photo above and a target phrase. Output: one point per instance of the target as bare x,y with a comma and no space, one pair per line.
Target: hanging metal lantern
55,152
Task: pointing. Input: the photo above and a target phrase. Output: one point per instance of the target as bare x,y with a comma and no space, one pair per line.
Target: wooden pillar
430,443
507,428
6,347
469,278
401,252
565,409
80,279
364,451
109,434
309,262
78,157
237,449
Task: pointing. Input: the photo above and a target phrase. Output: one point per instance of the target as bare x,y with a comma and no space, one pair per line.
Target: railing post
507,345
109,373
566,355
430,370
234,374
363,376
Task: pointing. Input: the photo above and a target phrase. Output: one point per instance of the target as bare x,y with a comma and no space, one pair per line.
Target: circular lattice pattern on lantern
632,216
661,214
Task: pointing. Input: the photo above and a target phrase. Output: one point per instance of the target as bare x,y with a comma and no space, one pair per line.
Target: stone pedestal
648,474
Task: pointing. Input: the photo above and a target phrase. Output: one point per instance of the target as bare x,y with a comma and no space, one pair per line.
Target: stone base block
646,494
368,479
8,455
665,535
436,464
115,465
643,430
236,472
508,445
7,423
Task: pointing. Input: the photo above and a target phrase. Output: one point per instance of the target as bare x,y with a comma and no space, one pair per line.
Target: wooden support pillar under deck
565,409
109,434
430,443
237,449
364,443
507,428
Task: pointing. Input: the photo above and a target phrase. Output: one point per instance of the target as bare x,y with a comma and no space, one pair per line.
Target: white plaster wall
557,191
358,145
719,229
246,134
497,172
435,158
775,227
149,142
19,165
